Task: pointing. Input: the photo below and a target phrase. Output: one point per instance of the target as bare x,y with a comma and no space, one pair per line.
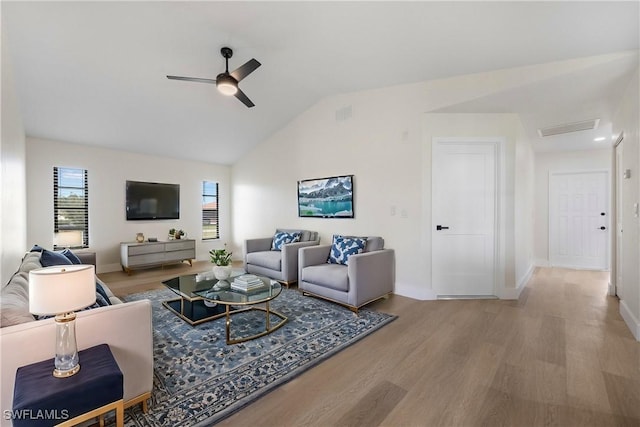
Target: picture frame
330,197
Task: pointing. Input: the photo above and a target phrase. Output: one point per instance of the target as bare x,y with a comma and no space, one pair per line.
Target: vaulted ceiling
94,72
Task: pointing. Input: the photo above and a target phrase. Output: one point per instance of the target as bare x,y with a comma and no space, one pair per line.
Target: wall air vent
569,127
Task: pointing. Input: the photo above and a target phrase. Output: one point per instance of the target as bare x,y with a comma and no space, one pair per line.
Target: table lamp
61,290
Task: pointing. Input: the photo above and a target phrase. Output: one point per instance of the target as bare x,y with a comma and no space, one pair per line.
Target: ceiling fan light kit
227,82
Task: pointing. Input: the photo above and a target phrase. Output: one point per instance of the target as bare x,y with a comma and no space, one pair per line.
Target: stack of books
247,283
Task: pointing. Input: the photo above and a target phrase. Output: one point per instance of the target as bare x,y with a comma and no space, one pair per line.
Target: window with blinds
210,229
70,208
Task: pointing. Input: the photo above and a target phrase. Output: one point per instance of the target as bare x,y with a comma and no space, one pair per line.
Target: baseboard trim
514,293
542,263
411,291
612,289
632,322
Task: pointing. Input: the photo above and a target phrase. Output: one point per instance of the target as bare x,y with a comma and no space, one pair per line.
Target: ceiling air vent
569,127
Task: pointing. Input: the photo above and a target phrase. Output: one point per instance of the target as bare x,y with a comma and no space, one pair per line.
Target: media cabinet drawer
178,245
145,259
146,249
179,255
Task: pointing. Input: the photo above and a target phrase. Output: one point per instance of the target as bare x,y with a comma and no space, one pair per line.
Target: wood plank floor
559,356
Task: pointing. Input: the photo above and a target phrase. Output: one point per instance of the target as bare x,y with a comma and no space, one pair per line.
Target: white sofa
126,327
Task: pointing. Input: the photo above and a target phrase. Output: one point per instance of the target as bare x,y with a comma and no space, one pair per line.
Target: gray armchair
279,265
369,275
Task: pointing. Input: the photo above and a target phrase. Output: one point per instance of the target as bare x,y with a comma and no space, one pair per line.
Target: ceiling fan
227,82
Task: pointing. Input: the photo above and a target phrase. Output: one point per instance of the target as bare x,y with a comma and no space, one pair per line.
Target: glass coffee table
202,298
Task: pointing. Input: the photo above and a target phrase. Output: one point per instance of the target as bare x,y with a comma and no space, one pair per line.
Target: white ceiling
94,72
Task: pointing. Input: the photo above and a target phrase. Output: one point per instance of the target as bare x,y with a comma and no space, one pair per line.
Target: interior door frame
607,188
616,287
499,226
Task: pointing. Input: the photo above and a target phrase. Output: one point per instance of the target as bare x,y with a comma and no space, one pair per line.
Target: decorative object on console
326,197
176,234
61,290
139,237
222,260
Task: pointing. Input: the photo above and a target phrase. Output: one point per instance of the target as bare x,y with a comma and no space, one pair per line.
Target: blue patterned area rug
199,379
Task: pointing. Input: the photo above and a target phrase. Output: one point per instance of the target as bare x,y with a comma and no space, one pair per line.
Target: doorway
464,220
579,219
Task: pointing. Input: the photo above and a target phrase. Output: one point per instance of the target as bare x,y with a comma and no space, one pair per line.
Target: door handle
603,228
441,227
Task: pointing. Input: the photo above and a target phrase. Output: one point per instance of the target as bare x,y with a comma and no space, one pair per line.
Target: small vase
222,272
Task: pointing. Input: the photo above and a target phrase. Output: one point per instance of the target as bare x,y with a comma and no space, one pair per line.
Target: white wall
627,120
384,145
565,161
524,220
108,170
13,230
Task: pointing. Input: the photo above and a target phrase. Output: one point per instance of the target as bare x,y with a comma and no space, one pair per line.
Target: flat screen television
152,200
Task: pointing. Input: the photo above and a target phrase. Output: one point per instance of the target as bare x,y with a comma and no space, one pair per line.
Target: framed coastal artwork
326,197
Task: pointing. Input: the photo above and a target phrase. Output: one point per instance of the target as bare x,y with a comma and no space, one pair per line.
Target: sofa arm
87,257
371,275
313,255
125,327
257,245
290,259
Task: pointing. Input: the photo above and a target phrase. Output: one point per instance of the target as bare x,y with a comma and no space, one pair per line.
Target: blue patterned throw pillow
282,238
71,256
50,258
343,247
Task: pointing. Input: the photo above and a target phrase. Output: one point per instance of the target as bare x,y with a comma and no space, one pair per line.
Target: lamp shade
61,289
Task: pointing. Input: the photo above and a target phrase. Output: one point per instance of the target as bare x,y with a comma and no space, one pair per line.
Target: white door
464,218
579,220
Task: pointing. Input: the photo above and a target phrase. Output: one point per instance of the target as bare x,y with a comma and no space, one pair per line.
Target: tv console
152,254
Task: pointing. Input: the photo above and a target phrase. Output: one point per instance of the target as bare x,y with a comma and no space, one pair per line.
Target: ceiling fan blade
244,70
192,79
245,100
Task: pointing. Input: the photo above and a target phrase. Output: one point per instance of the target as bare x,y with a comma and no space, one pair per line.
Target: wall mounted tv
152,200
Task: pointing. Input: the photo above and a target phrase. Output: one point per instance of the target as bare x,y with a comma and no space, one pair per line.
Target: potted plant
172,233
178,234
222,260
